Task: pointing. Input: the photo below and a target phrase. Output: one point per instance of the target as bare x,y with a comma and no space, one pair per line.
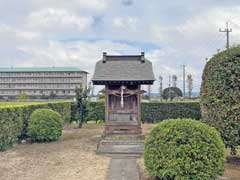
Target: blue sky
76,32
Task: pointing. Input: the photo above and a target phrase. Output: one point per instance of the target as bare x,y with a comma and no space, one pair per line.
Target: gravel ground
73,157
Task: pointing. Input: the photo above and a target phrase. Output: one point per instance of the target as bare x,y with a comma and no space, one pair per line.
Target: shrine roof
131,68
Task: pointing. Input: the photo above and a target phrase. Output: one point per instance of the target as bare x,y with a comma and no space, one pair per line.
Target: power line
227,30
214,42
235,24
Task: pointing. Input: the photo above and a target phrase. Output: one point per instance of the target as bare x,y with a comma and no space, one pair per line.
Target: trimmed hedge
95,111
184,149
63,108
14,120
152,112
11,123
220,95
45,125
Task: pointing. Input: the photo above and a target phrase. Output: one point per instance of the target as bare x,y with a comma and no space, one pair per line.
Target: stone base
119,144
122,128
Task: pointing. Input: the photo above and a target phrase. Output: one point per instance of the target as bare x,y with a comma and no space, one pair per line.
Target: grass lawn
73,157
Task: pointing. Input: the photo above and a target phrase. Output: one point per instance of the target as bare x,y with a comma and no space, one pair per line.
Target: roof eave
104,82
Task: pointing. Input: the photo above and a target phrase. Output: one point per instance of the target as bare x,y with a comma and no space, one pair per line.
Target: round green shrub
171,93
220,95
184,149
45,125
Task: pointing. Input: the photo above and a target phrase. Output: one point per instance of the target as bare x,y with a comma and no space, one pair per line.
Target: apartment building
41,82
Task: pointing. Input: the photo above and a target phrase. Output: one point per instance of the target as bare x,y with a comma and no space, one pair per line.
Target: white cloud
126,23
165,63
74,6
95,5
191,41
198,29
78,53
51,19
12,37
33,36
4,28
28,35
82,54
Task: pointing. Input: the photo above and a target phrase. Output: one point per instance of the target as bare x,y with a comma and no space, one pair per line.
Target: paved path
123,168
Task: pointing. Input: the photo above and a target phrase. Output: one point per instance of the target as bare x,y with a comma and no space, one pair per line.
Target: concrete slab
123,169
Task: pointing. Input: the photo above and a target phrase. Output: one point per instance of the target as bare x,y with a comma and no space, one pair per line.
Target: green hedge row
95,111
152,112
220,95
14,120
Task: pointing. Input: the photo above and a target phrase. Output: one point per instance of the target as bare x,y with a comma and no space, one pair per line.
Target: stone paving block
123,169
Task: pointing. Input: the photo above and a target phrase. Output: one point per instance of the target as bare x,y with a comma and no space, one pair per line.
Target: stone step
124,137
121,148
121,142
123,169
124,155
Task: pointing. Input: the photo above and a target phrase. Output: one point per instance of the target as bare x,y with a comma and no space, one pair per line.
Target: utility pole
174,81
184,79
169,86
189,85
160,87
227,30
169,81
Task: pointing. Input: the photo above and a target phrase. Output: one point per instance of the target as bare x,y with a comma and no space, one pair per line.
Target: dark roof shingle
123,68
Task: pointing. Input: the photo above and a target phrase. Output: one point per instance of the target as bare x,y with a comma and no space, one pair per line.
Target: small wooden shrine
123,77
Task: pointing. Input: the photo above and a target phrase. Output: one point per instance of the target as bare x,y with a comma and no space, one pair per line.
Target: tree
91,89
101,95
149,92
52,95
171,93
220,95
189,84
160,86
81,104
22,96
174,81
